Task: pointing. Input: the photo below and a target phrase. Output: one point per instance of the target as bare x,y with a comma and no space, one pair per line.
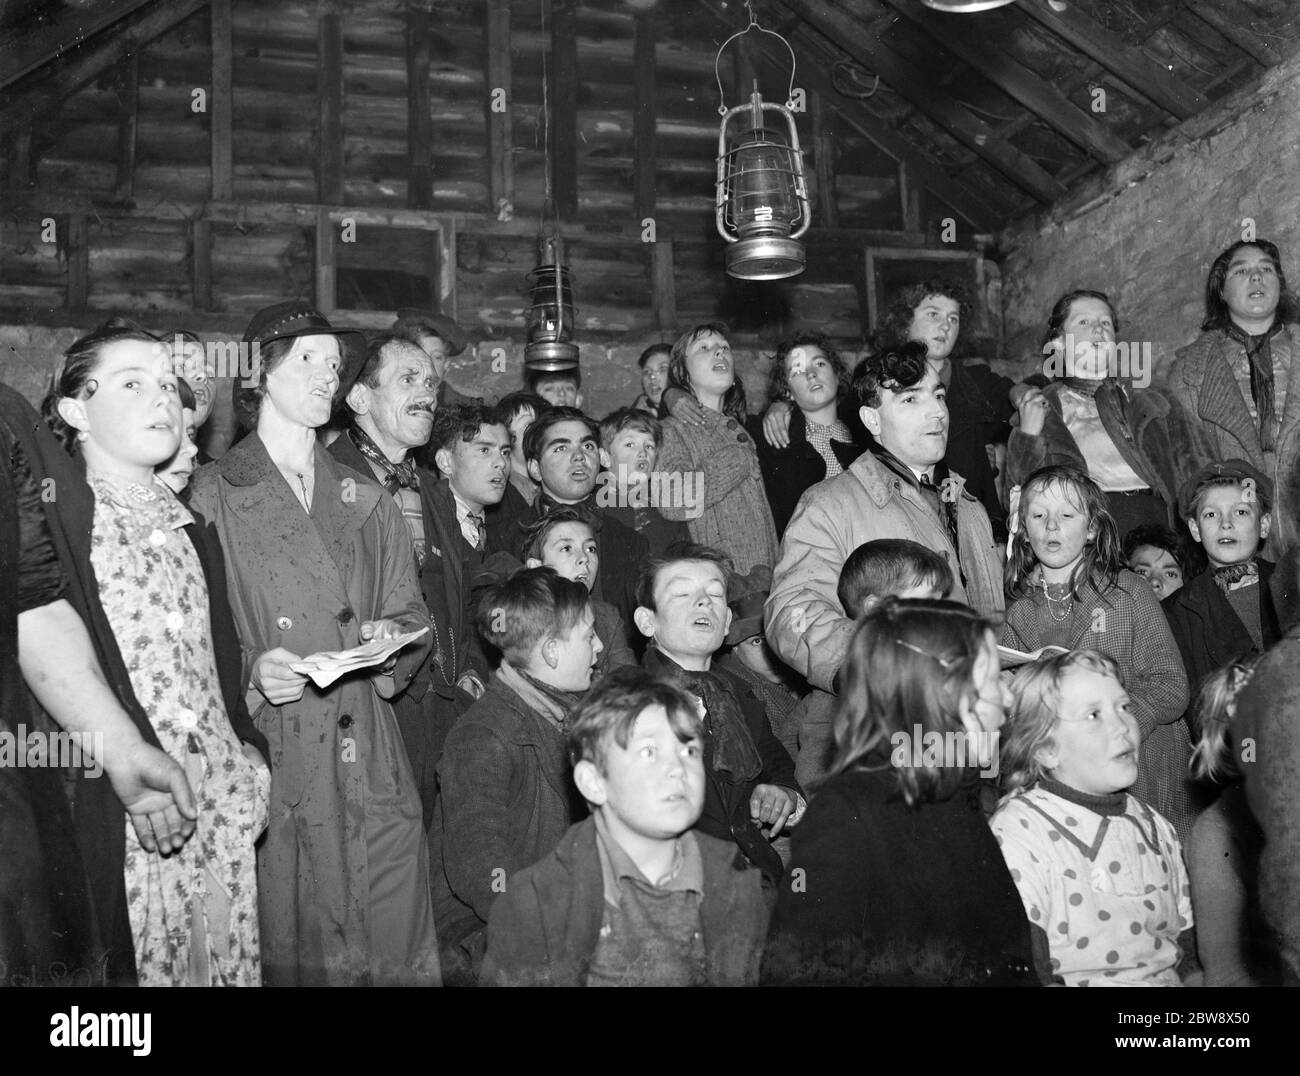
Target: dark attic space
649,493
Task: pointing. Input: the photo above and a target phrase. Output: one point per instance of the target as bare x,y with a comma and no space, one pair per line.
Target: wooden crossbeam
1262,50
1129,64
849,34
991,59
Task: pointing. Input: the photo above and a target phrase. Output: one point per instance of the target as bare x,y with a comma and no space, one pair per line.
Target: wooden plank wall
276,118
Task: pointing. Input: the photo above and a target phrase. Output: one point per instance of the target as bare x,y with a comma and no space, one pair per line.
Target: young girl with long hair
894,875
194,918
1067,586
732,513
1101,874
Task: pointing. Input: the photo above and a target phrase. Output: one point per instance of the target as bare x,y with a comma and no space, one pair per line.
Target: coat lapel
1220,401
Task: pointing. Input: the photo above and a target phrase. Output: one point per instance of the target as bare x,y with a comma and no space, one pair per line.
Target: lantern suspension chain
753,25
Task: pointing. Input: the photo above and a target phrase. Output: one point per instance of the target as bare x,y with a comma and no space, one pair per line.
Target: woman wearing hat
318,559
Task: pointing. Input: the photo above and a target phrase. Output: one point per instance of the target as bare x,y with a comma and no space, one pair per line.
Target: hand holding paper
326,667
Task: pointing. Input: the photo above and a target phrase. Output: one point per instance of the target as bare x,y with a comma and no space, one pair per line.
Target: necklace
1067,601
306,494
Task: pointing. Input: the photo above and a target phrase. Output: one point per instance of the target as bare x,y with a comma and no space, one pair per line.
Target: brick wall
1147,229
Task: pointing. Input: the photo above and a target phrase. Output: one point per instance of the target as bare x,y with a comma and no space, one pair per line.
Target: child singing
1067,586
1100,873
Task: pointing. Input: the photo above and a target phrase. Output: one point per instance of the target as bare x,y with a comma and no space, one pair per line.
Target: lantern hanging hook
753,25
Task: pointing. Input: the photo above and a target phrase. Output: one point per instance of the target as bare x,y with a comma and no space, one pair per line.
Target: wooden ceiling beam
850,34
32,104
982,213
499,67
1260,49
24,53
1129,64
992,60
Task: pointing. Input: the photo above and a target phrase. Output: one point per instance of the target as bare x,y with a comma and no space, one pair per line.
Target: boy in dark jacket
632,896
749,777
1238,606
505,794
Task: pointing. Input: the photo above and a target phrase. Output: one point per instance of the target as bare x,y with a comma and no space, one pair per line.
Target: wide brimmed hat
297,317
434,324
1237,470
749,593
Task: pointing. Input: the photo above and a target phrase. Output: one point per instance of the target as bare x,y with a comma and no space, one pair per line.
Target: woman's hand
379,630
156,794
272,676
1033,412
776,423
772,805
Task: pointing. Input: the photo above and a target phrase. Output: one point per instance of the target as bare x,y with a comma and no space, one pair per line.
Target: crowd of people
910,675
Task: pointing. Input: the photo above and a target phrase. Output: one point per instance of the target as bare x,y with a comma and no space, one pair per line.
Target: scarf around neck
395,475
733,748
1259,354
553,703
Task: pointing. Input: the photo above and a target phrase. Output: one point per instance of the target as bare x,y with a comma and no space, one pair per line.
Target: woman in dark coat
1130,441
319,559
808,374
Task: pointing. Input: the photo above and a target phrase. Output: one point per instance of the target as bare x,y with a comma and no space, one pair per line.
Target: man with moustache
901,488
392,404
441,339
562,447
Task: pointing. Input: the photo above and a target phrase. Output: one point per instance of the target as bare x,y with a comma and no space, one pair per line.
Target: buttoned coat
343,871
806,625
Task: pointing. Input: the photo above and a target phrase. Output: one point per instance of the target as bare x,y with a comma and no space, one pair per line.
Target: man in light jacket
899,488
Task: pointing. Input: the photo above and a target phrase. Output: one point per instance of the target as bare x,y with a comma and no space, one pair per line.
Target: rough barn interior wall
1147,229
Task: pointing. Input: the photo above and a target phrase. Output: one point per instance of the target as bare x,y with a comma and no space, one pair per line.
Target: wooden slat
1262,50
419,109
812,74
201,264
329,89
564,105
78,250
126,131
849,34
989,56
1145,75
909,198
643,121
501,160
823,129
662,285
221,102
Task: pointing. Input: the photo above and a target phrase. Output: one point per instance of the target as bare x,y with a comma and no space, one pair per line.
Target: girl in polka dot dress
1100,873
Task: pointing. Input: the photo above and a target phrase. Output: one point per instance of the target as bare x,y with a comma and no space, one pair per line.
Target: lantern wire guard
761,196
549,319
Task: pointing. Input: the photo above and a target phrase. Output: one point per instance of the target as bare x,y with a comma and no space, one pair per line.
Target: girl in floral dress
194,913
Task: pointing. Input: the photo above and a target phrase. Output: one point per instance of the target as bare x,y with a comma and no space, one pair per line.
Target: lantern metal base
765,257
551,356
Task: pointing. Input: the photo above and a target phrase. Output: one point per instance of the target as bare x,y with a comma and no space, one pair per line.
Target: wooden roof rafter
849,33
992,59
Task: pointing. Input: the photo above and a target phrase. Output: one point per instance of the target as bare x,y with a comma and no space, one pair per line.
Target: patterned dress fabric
194,913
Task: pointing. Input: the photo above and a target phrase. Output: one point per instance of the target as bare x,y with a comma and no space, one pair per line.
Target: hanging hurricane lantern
761,197
550,320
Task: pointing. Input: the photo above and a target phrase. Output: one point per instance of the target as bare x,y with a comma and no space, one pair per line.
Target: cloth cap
1238,470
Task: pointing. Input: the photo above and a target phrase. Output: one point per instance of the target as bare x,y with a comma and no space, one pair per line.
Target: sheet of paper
1011,657
328,665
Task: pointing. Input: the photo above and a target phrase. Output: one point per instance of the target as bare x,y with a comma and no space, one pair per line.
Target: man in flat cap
440,338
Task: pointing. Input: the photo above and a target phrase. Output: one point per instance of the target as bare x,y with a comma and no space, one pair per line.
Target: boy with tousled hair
632,896
505,796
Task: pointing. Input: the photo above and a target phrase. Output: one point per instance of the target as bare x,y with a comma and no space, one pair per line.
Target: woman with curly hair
809,374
